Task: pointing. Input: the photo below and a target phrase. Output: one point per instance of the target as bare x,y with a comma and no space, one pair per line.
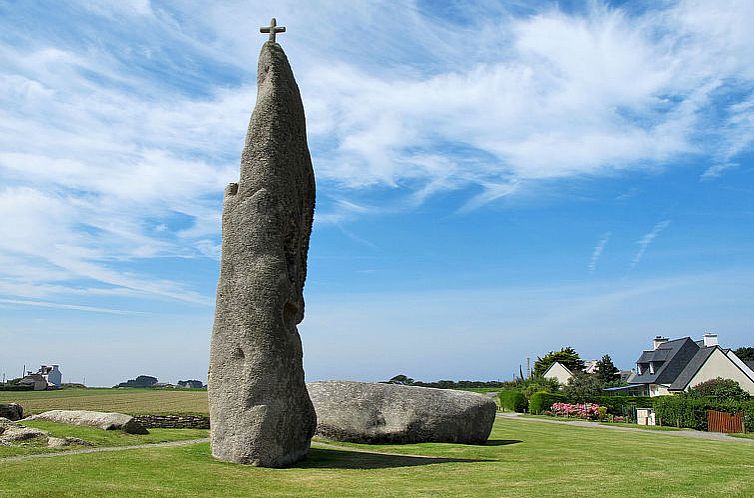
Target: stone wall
173,421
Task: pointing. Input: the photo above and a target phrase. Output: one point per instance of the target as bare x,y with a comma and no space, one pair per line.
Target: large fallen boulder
103,420
11,411
363,412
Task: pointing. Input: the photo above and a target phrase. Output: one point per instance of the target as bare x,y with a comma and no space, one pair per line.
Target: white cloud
597,251
647,239
100,144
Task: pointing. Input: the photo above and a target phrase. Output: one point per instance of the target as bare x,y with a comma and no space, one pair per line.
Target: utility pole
528,367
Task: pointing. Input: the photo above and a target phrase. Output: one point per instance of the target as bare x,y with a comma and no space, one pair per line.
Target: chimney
710,340
658,340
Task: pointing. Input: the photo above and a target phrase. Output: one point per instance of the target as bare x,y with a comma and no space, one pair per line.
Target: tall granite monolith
260,410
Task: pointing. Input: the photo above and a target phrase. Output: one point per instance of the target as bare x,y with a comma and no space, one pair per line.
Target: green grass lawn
617,424
130,401
524,458
97,437
748,435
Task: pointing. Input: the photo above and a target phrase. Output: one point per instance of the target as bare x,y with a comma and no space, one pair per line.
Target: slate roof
670,359
675,363
692,368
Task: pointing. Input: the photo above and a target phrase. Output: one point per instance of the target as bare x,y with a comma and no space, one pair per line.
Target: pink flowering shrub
589,411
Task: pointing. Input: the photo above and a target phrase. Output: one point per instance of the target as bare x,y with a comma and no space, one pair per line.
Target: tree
607,373
583,388
745,353
539,384
402,380
140,381
567,356
720,389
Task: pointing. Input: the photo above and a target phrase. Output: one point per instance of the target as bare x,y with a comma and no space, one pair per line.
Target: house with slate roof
677,365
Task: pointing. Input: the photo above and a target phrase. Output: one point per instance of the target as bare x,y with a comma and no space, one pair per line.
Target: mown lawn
524,458
131,401
97,437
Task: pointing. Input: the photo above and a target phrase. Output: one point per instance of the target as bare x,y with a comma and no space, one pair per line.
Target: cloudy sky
495,180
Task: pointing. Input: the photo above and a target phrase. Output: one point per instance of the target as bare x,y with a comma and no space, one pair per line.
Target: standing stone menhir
260,410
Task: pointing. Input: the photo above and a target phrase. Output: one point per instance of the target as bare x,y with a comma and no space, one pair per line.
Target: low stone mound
363,412
11,432
103,420
64,442
11,411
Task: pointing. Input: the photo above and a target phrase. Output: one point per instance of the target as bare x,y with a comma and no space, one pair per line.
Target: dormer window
651,368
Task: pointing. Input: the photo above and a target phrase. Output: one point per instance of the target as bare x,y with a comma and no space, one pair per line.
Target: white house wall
558,372
719,365
743,366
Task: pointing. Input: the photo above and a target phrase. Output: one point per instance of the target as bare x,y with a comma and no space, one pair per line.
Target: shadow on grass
501,442
322,458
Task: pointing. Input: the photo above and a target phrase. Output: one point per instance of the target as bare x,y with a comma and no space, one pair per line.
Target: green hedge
746,407
513,400
541,401
624,406
685,411
16,387
681,411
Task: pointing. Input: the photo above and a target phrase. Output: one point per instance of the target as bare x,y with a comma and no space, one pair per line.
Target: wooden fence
724,422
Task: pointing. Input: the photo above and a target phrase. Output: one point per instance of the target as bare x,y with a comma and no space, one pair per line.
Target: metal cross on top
272,29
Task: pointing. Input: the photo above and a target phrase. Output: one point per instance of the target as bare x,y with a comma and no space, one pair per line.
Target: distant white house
47,377
559,372
563,374
590,366
678,365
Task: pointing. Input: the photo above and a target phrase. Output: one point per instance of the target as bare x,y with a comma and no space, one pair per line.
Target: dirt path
170,444
692,434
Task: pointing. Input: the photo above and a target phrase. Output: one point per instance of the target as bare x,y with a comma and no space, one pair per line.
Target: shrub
624,406
583,387
513,400
16,387
589,411
542,401
539,384
682,411
722,390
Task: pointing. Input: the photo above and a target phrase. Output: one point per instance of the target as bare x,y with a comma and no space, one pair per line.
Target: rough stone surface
103,420
11,411
62,442
11,432
364,412
260,410
173,421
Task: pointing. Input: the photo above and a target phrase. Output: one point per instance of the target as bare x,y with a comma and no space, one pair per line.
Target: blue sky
495,180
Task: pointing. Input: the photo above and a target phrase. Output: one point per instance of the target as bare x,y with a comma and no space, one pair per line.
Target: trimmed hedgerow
513,400
686,411
542,401
624,406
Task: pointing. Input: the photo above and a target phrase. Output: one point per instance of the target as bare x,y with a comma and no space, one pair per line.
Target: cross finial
272,29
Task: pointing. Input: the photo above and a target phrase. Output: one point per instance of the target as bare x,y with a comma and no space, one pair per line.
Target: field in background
524,458
130,401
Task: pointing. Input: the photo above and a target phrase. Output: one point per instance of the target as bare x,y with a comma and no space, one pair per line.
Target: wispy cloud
647,239
597,252
63,306
111,154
